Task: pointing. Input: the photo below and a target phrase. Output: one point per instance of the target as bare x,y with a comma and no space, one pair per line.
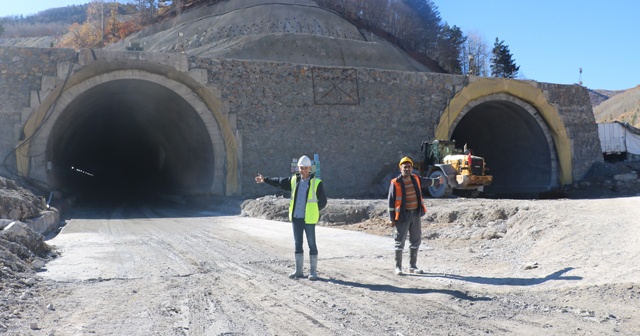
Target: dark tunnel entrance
517,150
130,138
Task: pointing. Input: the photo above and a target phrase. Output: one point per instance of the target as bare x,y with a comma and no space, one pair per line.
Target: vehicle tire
443,190
383,187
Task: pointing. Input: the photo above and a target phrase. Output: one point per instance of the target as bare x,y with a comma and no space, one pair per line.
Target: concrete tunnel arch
511,124
130,126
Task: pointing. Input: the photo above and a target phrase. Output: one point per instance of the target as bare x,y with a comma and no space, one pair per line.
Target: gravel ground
565,265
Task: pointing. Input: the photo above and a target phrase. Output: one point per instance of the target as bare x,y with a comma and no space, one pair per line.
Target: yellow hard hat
405,159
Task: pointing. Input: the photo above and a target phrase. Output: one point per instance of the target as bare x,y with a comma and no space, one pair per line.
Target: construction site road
561,267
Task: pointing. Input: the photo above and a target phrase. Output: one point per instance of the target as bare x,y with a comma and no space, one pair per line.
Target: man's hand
259,178
392,223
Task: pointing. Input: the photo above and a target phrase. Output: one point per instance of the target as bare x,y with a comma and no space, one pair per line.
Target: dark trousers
300,227
411,226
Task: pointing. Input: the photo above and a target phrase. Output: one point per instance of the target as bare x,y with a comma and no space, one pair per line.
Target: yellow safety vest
311,211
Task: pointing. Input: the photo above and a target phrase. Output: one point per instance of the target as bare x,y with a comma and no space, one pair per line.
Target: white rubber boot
313,265
299,263
398,263
413,259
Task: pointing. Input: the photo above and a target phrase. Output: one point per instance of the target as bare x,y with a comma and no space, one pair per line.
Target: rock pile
18,203
23,250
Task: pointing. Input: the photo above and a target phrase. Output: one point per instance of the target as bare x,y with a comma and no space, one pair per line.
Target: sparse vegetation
50,22
413,25
79,26
624,107
104,24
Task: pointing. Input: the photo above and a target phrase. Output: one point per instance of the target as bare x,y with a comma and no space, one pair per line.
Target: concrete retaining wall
360,121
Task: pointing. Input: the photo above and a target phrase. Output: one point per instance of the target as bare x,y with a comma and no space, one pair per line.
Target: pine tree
450,45
431,25
502,63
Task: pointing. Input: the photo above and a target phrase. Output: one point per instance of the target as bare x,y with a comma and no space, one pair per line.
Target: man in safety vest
405,210
307,199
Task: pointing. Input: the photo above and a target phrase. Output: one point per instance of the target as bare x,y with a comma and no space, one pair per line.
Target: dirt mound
445,218
337,212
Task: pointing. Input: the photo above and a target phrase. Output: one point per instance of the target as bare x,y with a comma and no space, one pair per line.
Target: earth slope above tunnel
291,31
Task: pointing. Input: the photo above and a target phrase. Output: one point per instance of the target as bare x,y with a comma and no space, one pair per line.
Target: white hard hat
304,161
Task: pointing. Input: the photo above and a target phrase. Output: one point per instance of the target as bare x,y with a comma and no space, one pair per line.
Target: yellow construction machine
464,173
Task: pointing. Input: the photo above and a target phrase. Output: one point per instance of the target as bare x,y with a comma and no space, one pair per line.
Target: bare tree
404,24
373,12
476,55
147,10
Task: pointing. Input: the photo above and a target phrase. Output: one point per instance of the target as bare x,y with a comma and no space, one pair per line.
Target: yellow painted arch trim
98,68
533,95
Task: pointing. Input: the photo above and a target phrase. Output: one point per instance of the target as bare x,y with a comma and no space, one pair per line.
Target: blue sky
28,7
550,39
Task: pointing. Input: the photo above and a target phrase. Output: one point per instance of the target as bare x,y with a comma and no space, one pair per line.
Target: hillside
45,29
624,107
47,23
598,96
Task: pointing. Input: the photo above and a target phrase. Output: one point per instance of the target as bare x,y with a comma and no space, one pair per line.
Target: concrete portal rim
525,91
504,97
215,129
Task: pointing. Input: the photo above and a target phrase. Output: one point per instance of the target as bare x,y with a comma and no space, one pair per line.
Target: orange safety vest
399,186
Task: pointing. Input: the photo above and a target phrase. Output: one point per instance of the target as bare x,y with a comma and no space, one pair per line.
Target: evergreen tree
1,29
450,46
427,38
502,63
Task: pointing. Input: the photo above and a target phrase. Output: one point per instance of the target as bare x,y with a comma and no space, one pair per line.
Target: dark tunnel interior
130,138
513,144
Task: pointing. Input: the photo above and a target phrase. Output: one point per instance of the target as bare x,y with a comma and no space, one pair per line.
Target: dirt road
560,267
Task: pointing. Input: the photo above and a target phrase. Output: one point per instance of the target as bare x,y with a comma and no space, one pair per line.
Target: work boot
398,262
299,262
313,265
413,259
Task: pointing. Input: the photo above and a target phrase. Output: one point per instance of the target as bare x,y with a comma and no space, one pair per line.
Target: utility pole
580,78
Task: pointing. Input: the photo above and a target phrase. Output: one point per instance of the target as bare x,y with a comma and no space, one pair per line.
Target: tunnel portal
130,138
515,142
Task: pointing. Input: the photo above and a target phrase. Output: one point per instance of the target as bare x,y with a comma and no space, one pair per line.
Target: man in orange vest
405,210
